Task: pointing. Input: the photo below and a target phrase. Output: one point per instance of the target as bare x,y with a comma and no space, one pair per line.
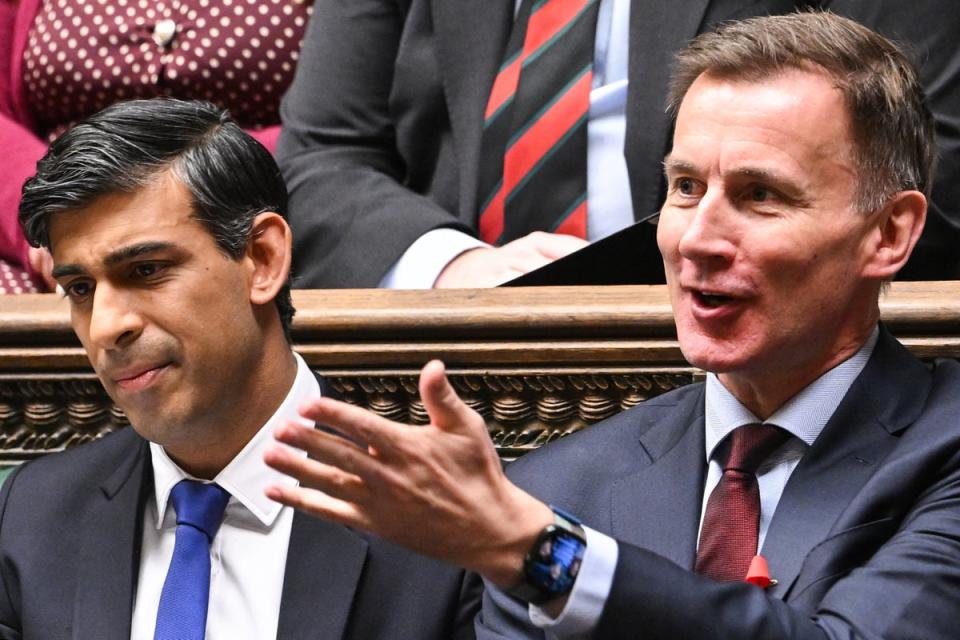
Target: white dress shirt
804,416
249,553
608,188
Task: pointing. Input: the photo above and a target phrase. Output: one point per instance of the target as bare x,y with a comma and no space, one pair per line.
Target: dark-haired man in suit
801,158
166,225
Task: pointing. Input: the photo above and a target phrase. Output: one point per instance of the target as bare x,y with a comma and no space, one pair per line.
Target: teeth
712,299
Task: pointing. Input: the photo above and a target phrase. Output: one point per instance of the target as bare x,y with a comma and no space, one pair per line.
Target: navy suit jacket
865,541
382,124
70,531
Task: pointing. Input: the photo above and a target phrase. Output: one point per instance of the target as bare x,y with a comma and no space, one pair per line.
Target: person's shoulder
946,381
608,448
938,423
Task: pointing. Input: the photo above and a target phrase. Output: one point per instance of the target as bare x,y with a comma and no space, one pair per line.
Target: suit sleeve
351,212
910,588
928,29
9,594
503,618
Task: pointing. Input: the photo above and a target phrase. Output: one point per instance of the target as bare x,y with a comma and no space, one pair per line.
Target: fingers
336,463
354,422
553,245
447,411
485,267
318,504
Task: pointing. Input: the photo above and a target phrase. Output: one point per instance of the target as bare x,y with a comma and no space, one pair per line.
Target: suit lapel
471,37
324,565
112,529
658,508
886,397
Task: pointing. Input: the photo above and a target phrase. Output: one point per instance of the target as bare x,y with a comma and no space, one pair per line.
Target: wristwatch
553,562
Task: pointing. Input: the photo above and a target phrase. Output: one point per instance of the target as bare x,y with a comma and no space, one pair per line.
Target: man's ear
269,254
898,227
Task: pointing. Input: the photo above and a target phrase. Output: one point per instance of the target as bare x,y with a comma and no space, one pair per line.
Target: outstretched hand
438,489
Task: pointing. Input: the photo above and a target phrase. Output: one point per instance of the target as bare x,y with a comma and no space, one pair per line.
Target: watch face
556,570
575,568
553,562
556,561
546,550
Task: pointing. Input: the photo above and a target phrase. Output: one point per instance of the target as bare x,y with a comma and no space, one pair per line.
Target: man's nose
710,235
114,321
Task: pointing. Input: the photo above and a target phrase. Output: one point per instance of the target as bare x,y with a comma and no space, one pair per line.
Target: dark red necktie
731,524
533,171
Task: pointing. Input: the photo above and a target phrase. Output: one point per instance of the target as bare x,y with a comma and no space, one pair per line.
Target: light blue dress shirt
608,188
804,416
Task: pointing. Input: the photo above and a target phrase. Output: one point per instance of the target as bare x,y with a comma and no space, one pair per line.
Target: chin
151,420
715,356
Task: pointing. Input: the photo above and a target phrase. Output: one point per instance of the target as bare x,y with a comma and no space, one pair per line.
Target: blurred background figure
62,60
403,117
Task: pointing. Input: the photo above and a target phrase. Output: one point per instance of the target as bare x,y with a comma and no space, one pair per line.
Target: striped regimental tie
533,173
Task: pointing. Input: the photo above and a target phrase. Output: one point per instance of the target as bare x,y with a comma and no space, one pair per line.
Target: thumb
447,411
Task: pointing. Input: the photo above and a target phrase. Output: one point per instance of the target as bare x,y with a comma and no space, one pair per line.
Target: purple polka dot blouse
83,55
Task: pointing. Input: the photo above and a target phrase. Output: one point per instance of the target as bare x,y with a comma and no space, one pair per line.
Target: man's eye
146,270
761,194
77,290
688,187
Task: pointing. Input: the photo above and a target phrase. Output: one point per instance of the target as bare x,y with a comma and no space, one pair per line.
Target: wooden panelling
538,363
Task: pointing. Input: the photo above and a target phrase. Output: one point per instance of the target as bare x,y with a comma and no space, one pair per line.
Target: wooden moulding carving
40,414
537,363
522,411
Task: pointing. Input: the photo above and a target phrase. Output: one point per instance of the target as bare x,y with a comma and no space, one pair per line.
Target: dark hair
231,177
893,129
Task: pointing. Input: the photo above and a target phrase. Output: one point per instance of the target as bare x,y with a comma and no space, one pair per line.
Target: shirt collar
804,416
246,476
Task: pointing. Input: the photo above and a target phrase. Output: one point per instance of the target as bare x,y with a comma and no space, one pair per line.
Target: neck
257,399
764,391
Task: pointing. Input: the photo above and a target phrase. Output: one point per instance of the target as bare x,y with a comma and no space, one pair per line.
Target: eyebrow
682,166
116,257
672,164
762,174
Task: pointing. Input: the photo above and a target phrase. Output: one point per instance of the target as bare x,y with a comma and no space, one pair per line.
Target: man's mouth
134,379
712,299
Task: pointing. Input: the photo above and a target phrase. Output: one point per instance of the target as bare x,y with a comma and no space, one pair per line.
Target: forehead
161,210
795,118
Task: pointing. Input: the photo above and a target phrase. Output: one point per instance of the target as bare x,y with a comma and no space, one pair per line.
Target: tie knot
199,505
751,444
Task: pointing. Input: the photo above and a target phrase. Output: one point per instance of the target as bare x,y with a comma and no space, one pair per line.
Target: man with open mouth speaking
809,489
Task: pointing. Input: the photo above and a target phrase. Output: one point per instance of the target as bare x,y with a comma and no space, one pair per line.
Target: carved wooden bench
538,363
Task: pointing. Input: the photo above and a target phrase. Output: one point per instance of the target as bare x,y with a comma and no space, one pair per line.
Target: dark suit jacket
382,124
70,530
865,542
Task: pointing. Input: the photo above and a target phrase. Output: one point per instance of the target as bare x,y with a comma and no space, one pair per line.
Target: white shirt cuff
424,260
585,604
